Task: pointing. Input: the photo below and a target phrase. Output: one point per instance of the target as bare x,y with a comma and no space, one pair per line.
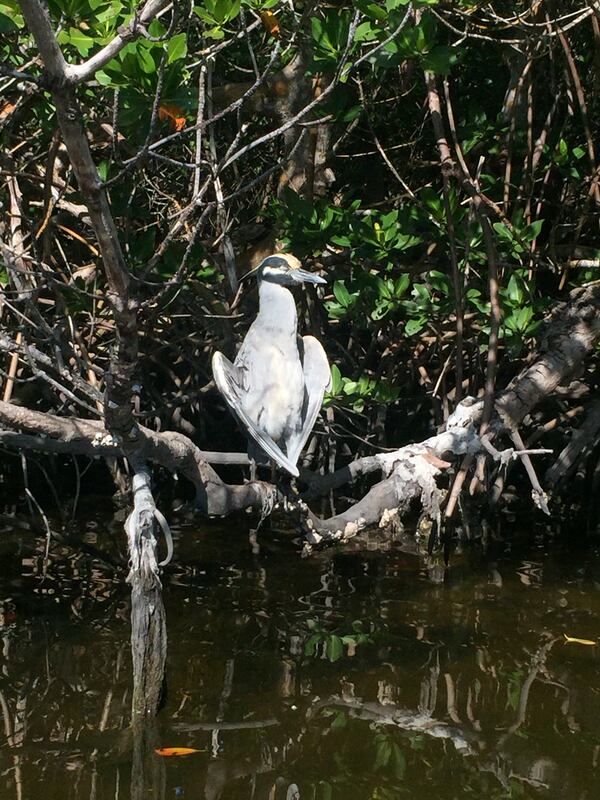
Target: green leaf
515,289
503,231
365,32
421,292
102,78
399,760
330,34
402,285
383,751
414,326
319,34
336,380
432,200
145,60
439,281
177,48
80,41
156,28
372,10
339,721
341,294
335,648
389,220
310,648
524,316
341,240
381,310
7,24
533,230
439,60
215,33
351,113
103,170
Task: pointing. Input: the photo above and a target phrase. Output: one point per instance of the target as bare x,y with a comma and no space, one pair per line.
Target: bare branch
127,33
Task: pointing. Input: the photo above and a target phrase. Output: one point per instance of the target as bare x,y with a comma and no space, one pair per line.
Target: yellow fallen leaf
575,640
176,751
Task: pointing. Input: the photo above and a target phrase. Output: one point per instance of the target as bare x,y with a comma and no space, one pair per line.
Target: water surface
355,674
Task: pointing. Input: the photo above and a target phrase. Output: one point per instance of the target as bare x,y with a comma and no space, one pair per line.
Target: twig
12,370
128,33
222,222
199,121
538,494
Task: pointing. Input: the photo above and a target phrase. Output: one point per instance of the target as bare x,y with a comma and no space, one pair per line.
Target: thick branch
118,409
572,332
126,34
409,473
148,623
174,451
583,439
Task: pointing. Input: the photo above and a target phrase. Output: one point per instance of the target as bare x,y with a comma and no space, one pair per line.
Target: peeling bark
148,622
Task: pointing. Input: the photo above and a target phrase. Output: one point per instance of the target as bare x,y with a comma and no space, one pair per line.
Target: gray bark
148,616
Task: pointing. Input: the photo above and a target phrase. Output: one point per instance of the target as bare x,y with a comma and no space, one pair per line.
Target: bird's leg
252,469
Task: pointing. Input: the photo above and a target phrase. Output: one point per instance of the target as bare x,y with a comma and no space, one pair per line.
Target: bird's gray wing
229,383
317,378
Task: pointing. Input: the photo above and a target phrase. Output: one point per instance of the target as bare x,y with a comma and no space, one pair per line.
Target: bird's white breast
274,376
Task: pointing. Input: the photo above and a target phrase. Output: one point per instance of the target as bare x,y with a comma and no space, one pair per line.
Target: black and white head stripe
274,262
278,265
273,267
286,270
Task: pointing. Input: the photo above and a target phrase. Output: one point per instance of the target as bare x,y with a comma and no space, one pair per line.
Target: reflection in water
354,674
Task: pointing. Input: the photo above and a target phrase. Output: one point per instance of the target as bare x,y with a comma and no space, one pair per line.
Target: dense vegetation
435,161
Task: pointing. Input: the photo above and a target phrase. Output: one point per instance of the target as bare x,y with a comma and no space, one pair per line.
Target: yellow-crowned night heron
276,384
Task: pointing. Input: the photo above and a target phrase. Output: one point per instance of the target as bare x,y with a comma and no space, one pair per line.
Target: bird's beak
302,276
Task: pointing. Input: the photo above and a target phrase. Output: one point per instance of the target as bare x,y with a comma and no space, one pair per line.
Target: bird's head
286,270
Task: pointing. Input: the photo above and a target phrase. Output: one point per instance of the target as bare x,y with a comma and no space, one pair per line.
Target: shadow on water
357,674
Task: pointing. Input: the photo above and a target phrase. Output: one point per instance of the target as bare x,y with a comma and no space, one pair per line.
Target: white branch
77,73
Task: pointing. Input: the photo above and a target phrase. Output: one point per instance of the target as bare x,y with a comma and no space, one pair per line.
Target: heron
276,383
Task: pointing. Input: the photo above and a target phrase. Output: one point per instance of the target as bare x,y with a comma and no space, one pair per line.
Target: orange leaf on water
176,751
173,114
269,20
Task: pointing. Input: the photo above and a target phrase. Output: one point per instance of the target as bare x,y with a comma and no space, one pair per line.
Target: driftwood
148,623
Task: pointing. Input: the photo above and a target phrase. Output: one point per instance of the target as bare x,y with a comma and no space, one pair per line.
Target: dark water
364,673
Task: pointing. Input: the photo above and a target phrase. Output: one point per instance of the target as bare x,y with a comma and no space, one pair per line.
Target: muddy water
359,674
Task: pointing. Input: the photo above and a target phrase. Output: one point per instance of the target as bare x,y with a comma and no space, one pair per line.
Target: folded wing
228,380
317,378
